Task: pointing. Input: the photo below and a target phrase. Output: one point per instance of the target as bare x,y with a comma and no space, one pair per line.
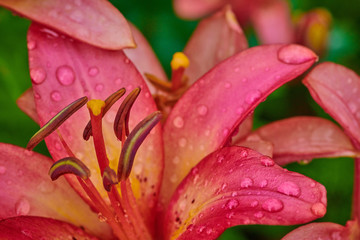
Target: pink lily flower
336,89
207,184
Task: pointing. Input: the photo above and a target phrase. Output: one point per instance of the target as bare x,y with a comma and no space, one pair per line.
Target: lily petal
215,39
24,228
236,185
197,125
196,8
323,231
258,144
63,70
305,138
144,58
336,89
29,191
96,22
26,103
272,22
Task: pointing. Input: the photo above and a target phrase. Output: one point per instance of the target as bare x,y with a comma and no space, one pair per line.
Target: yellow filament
96,106
179,60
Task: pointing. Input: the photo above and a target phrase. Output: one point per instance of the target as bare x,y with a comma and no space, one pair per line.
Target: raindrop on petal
99,87
37,75
93,71
295,54
318,209
65,75
272,205
252,96
2,169
77,16
55,96
267,162
178,122
202,110
231,204
182,142
31,45
246,182
259,214
289,188
22,207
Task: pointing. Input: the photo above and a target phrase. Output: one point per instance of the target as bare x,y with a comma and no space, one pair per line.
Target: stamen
108,104
69,165
158,83
133,142
121,123
55,122
109,178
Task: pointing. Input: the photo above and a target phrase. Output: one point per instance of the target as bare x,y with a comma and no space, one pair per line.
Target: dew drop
244,153
201,229
37,75
232,204
223,186
182,142
173,178
227,85
272,205
176,160
65,75
77,16
252,96
246,182
239,110
178,122
93,71
46,187
225,132
237,69
202,110
101,217
127,61
118,81
295,54
263,183
147,95
289,188
58,146
254,203
267,162
318,209
259,214
182,205
2,169
230,215
220,159
99,87
209,231
56,96
22,207
31,45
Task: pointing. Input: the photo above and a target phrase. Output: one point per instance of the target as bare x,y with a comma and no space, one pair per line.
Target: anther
133,142
69,165
109,178
55,122
121,123
108,104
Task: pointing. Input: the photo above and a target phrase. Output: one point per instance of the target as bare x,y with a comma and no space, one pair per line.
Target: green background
168,34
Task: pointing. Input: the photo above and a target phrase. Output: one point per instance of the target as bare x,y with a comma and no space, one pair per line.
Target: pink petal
336,89
144,58
215,39
258,144
26,103
243,130
63,70
96,22
237,185
36,228
26,189
272,22
305,138
323,231
209,112
196,8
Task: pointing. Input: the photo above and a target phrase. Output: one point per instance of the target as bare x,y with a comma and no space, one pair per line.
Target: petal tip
296,54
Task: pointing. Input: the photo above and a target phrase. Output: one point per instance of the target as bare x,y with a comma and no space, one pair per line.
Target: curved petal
63,70
144,58
272,22
96,22
336,89
215,39
26,103
236,185
23,228
196,8
258,144
28,190
305,138
209,112
323,231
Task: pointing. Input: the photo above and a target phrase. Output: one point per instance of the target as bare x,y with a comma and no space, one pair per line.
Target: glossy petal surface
196,8
35,228
30,191
336,89
63,70
197,124
236,185
96,22
215,39
305,138
323,231
26,103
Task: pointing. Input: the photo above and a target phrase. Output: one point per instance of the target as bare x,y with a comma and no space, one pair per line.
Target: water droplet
267,69
147,95
176,160
263,183
252,96
289,188
55,96
77,16
65,75
37,75
118,81
295,54
226,132
99,87
267,162
227,85
231,204
244,153
49,33
272,205
237,69
223,186
230,215
31,45
220,159
202,110
101,217
22,207
19,173
353,107
182,205
46,187
254,203
318,209
178,122
246,182
209,231
259,214
173,178
2,169
201,229
313,184
58,146
127,60
239,110
182,142
93,71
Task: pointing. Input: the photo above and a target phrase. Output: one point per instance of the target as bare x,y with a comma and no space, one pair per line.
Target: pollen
179,60
96,106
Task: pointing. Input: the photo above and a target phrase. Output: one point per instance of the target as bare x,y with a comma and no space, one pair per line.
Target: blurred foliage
168,34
